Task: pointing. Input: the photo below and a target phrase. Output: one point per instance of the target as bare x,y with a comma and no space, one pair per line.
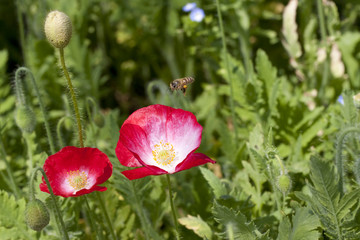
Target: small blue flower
188,7
341,99
197,15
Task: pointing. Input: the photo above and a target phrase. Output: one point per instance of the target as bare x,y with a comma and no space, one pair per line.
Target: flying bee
181,84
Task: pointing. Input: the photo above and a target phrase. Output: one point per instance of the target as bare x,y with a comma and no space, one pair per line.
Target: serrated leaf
303,227
214,182
199,226
327,203
236,220
12,222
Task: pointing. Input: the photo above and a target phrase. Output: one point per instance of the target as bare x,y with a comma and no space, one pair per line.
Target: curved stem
338,156
73,97
41,104
107,218
57,210
173,208
227,69
13,185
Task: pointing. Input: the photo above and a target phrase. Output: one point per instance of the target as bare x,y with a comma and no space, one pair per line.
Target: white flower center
77,180
163,153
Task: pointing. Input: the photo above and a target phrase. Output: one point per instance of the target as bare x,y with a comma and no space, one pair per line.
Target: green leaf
12,222
235,224
199,226
333,210
214,182
304,226
265,72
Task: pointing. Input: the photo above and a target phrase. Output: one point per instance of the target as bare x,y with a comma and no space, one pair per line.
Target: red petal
143,172
135,139
125,157
91,160
184,132
193,160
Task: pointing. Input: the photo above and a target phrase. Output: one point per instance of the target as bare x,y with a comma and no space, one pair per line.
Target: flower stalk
73,97
173,208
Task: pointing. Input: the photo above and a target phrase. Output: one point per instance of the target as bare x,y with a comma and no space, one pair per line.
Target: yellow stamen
77,179
163,153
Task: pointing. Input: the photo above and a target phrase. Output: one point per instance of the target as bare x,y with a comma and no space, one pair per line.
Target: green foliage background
268,105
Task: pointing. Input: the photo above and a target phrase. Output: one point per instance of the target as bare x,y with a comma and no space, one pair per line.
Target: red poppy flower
159,140
76,171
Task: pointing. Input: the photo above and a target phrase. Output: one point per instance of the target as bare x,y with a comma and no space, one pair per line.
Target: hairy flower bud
58,29
25,118
284,183
36,215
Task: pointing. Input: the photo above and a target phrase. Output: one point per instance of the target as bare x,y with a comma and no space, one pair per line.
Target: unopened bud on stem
58,29
36,215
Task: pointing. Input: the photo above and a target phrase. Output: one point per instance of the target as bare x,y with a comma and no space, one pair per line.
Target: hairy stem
338,157
18,76
73,97
173,208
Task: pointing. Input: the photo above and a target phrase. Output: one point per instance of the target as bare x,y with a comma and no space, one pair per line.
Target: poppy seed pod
58,29
36,215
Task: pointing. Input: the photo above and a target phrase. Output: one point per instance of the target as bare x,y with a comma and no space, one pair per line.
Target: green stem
325,75
321,19
338,156
29,151
21,31
57,210
272,181
107,218
13,185
173,208
227,69
91,217
73,97
140,211
18,76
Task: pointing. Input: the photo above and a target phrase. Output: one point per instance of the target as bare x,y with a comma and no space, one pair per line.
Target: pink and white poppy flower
159,140
73,171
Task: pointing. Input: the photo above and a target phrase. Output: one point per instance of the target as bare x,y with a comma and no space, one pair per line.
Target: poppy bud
36,215
58,29
284,183
25,118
